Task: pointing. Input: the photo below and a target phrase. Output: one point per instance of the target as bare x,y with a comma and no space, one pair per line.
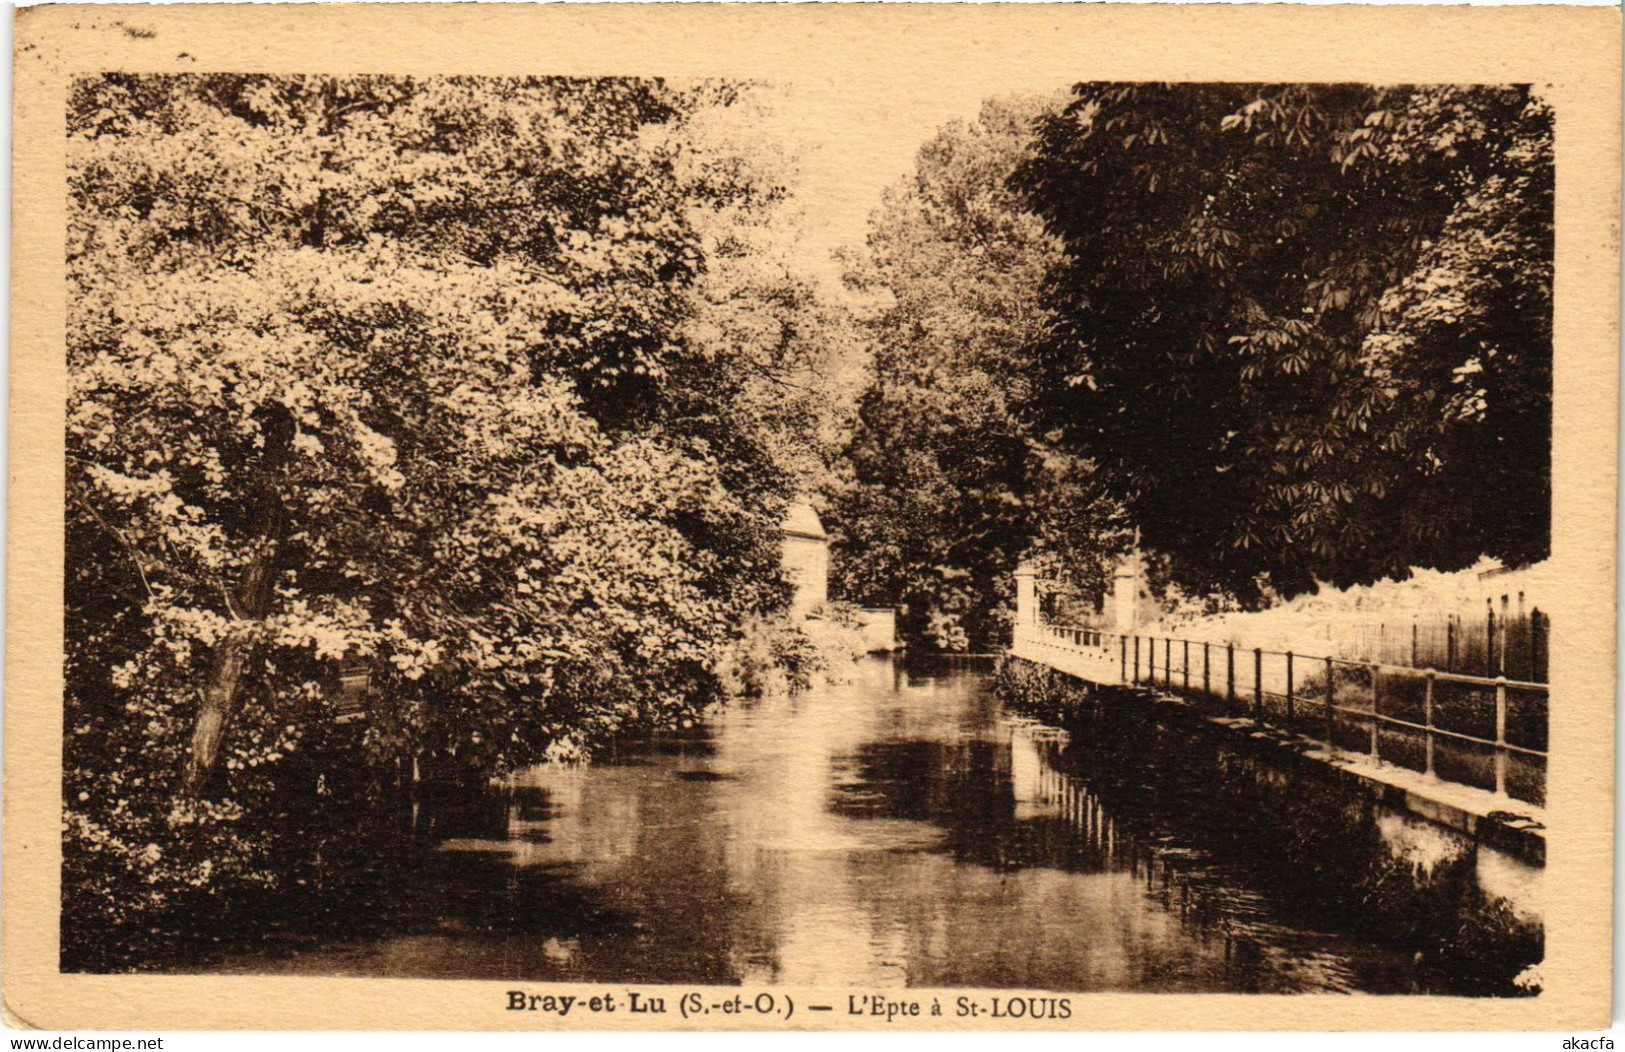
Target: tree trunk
218,702
250,602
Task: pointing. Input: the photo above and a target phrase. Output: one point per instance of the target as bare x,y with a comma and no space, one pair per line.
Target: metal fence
1484,731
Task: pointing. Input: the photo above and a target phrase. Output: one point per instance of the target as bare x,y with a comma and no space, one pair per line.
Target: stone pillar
1128,580
1026,595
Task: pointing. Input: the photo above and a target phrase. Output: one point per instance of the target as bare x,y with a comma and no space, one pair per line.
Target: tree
1303,329
398,372
948,488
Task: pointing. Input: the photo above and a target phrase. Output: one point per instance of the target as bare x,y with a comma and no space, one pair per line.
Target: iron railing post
1500,735
1289,701
1427,721
1376,754
1331,711
1258,682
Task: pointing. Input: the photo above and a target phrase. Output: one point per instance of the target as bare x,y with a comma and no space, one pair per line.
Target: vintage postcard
883,517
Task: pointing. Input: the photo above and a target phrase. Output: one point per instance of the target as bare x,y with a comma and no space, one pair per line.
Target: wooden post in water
1427,721
1122,673
1500,735
1229,676
1450,643
1187,645
1167,662
1136,660
1206,682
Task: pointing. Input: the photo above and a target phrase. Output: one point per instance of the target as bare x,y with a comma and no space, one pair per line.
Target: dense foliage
949,488
437,378
1304,330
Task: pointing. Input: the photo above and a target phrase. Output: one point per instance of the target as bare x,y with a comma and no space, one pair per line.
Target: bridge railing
1484,731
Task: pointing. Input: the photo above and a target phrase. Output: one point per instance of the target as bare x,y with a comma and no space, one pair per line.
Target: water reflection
893,830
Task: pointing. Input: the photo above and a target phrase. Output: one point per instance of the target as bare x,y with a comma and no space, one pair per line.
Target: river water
898,829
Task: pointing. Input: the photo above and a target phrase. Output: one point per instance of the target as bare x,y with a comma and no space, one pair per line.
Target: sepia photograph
678,547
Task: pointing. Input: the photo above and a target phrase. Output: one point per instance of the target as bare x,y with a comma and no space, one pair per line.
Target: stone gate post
1026,603
1128,581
